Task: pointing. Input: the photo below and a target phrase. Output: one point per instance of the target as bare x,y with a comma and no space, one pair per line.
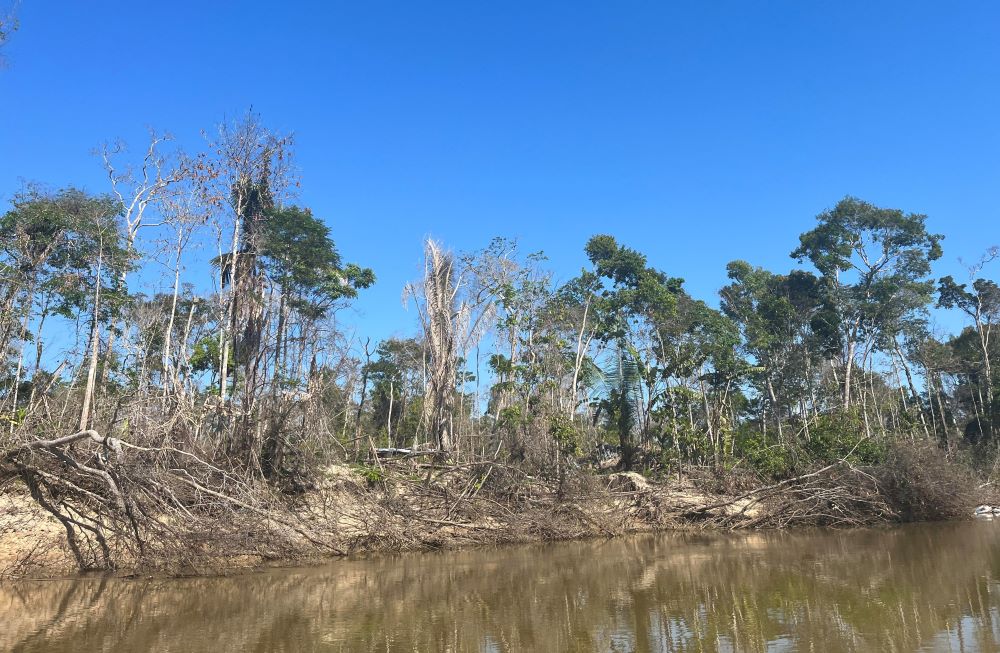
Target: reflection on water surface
926,587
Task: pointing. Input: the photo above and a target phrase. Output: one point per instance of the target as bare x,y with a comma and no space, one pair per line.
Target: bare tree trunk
184,359
20,358
944,418
88,393
361,401
713,436
581,351
777,414
984,343
168,371
440,290
225,335
848,373
388,419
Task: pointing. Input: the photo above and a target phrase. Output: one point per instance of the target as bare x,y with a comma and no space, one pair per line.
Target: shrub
922,484
565,433
838,436
771,460
372,474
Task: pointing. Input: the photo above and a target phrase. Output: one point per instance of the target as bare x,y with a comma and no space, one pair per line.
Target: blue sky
697,132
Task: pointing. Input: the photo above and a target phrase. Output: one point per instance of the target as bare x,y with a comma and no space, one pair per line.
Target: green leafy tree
875,264
60,254
634,299
982,304
786,325
396,376
297,255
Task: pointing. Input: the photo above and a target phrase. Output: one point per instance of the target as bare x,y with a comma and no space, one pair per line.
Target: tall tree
65,250
249,174
875,264
636,301
786,326
982,304
440,316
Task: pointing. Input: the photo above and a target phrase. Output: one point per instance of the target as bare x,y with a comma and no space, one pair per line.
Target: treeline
238,356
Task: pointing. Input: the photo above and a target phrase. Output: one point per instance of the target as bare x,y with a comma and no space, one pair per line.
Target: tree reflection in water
929,586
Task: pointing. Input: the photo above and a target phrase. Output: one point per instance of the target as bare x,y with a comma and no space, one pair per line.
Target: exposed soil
347,514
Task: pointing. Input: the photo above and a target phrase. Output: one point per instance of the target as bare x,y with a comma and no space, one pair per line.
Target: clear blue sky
697,132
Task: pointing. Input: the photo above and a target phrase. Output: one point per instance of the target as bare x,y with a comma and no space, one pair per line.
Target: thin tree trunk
88,393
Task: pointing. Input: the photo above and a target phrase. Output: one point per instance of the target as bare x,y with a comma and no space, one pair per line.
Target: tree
441,316
301,264
298,255
142,192
875,264
786,325
63,252
249,174
246,174
635,302
982,305
573,310
396,376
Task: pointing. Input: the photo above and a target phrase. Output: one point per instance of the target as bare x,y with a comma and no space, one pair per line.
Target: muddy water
933,587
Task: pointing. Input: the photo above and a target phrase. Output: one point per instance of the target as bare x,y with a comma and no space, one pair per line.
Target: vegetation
821,391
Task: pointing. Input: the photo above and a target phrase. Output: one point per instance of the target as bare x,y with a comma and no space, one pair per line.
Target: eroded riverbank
347,514
410,506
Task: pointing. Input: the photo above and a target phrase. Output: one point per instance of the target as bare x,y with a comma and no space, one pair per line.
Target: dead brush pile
102,503
434,504
122,506
911,482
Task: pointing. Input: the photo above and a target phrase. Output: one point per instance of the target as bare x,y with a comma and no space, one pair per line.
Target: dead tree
439,316
251,174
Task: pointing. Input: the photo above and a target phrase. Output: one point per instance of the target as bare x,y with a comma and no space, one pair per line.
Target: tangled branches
125,505
912,483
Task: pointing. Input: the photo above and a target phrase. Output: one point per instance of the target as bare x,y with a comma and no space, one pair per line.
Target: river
921,587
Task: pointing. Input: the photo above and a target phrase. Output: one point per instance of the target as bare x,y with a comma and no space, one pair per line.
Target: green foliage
510,419
899,243
874,264
636,290
15,418
62,245
841,435
566,434
770,459
620,407
679,443
371,473
299,255
205,355
396,377
981,303
832,437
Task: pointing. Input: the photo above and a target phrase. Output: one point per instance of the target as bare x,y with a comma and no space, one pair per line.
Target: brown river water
923,587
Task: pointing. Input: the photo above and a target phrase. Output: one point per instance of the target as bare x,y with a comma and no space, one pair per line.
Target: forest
174,354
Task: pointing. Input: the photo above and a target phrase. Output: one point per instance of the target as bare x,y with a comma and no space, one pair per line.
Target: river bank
409,506
347,513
